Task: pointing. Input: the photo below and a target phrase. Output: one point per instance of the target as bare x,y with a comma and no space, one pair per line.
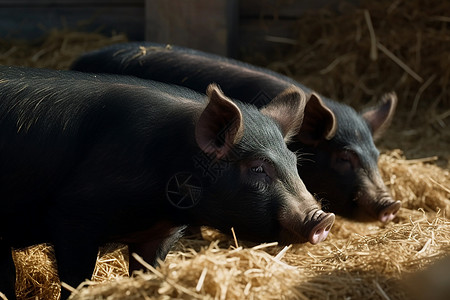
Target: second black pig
339,160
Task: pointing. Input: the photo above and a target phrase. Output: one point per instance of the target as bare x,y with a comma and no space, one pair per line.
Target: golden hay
377,47
56,51
417,183
36,274
357,54
360,266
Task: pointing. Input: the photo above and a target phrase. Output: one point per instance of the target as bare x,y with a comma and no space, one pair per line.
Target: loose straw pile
56,51
354,55
358,53
417,182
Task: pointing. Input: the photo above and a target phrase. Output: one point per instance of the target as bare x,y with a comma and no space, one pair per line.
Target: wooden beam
200,24
79,3
34,22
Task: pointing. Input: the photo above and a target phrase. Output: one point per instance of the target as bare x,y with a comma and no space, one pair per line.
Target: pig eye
258,169
349,157
345,156
261,170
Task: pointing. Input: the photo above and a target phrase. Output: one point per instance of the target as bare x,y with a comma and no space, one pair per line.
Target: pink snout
320,231
389,212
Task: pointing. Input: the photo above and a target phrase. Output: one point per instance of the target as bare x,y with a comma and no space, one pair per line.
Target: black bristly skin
347,164
340,165
86,159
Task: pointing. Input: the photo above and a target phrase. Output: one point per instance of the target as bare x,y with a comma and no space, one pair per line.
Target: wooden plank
80,3
31,23
200,24
284,8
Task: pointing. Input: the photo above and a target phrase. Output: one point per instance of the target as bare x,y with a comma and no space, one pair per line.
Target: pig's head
341,168
258,190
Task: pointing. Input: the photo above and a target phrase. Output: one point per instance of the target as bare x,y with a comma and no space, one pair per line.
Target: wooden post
205,25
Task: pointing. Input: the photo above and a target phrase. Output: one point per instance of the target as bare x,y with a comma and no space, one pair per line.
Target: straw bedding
355,55
358,260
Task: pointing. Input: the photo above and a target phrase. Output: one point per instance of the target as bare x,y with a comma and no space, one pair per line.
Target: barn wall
228,27
28,19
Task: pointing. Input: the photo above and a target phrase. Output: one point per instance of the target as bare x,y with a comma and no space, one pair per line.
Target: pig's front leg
75,240
7,271
151,250
76,261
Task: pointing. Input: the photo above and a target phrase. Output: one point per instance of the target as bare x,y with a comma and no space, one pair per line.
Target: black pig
90,159
337,143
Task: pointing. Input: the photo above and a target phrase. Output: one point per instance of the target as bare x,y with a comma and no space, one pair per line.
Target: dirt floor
408,53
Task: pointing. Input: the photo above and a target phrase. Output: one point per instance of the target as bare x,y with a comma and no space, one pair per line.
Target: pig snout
389,211
313,227
322,223
375,202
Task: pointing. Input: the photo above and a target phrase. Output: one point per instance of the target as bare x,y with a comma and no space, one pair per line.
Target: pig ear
220,124
319,122
380,116
287,109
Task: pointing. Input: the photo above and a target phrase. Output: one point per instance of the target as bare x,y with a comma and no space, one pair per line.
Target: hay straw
416,183
220,271
373,40
399,62
234,238
112,262
36,275
332,57
352,265
57,50
410,36
422,88
69,288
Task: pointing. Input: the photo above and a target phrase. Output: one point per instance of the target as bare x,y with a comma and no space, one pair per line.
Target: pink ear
220,124
287,110
319,122
380,116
